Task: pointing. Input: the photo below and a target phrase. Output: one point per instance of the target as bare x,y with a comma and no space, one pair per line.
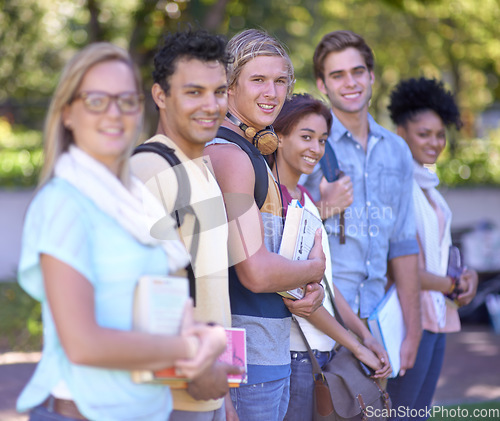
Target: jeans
262,401
300,407
41,413
416,388
217,415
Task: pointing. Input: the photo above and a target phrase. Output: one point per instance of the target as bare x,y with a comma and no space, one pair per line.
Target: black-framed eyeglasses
98,102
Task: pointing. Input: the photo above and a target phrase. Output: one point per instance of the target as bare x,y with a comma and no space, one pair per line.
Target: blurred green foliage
452,40
475,161
20,320
20,156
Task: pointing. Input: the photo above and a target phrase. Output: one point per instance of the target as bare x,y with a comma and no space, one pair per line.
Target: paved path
15,371
471,372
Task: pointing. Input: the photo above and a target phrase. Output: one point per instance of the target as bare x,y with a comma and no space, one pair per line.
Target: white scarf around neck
424,177
135,208
436,250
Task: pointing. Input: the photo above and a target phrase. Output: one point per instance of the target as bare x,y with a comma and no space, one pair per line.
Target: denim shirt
380,223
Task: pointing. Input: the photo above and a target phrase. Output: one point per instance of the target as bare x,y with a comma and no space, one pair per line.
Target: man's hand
409,349
212,383
306,306
231,414
317,257
336,196
404,270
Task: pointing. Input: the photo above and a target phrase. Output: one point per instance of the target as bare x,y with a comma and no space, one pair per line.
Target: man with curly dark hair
422,109
187,45
190,92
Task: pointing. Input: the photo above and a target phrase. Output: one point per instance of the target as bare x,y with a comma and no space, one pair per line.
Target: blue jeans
41,413
300,407
217,415
262,401
416,388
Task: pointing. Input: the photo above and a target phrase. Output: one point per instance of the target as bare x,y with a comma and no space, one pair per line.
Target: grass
20,155
20,319
484,411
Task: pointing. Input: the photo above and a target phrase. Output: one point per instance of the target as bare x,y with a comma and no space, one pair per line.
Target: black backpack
258,163
183,198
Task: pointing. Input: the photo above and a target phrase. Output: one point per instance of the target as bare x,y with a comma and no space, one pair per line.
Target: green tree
453,40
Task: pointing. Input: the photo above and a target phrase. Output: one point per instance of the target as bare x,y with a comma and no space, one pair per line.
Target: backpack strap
329,164
330,167
258,163
184,187
182,201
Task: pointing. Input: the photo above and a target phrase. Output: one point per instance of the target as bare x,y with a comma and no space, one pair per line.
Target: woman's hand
468,284
204,342
371,343
380,366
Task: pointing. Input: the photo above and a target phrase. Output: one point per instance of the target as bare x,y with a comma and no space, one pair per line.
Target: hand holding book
215,382
299,240
211,343
162,306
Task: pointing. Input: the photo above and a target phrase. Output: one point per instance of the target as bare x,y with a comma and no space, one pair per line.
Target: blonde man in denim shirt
375,194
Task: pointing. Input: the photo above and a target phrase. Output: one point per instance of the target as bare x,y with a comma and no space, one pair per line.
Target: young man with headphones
260,78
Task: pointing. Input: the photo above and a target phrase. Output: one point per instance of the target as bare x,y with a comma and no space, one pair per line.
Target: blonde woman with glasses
86,242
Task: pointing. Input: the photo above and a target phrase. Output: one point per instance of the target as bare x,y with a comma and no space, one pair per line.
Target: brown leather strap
362,406
63,407
384,394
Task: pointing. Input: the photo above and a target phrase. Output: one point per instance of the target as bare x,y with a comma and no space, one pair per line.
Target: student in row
422,109
259,80
302,128
190,92
379,227
86,242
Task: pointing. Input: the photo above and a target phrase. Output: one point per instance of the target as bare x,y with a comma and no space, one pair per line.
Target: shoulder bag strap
332,299
315,365
316,369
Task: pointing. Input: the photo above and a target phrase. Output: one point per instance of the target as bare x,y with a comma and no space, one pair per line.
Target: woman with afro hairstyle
422,110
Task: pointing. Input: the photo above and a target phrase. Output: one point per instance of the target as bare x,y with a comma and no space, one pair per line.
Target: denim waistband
301,355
